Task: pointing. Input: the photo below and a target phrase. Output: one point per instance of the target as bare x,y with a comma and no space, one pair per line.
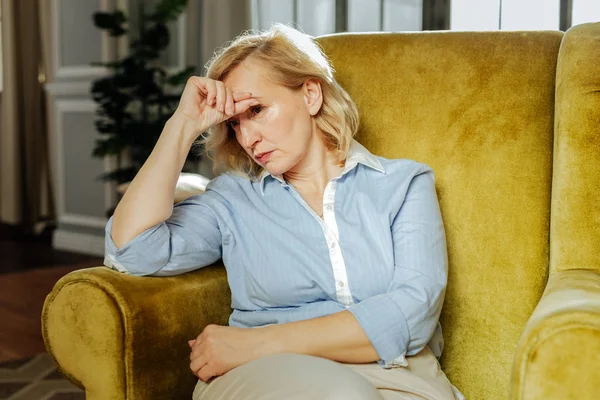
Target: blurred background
55,145
85,88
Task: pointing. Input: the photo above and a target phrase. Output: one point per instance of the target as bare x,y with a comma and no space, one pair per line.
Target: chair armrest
558,355
125,337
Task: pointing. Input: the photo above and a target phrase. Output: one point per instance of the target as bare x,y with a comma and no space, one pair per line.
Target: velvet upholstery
509,122
123,337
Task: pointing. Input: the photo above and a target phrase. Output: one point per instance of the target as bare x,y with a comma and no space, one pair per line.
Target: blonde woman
338,255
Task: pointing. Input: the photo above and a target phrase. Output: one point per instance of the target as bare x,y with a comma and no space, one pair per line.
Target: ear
313,97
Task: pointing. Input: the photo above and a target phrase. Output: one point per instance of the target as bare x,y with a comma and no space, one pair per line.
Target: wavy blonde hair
292,57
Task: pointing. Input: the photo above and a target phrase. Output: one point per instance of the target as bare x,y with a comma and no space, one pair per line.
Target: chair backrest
478,107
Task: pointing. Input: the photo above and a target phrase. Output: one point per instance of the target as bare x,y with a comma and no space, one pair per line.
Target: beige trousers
299,376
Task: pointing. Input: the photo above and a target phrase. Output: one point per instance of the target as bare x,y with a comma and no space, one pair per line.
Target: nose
249,134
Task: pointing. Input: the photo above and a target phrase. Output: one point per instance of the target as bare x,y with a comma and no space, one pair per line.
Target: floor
29,268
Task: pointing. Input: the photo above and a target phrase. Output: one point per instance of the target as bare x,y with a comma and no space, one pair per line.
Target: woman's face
281,126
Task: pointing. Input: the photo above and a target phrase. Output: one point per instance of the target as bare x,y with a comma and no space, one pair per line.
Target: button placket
330,231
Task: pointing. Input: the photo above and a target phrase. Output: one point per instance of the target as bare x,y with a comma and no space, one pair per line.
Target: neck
315,170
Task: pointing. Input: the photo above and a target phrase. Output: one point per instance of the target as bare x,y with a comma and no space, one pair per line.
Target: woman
338,255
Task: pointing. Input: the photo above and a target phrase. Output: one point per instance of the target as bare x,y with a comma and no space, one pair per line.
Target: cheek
288,121
276,122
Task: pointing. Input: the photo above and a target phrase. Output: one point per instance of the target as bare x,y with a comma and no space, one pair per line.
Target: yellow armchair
119,336
510,123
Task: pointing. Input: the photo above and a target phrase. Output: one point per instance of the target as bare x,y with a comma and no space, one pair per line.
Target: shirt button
332,245
333,185
340,283
329,207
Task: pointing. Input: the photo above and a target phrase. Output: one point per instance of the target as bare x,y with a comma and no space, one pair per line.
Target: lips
262,157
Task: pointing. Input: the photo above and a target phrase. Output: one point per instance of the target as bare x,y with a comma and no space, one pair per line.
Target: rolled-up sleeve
189,239
401,321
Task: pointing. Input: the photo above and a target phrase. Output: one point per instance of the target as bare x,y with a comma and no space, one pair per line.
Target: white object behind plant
188,184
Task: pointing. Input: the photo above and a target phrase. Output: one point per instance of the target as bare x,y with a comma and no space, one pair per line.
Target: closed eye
255,110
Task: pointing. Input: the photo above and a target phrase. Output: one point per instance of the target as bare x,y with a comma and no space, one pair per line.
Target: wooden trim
295,13
341,15
381,15
566,14
436,15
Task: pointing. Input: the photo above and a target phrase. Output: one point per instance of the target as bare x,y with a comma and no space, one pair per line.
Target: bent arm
402,321
149,198
189,239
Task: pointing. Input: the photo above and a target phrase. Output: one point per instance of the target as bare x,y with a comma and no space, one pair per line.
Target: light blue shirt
379,251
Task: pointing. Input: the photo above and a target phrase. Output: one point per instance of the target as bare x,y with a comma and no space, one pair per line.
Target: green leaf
182,76
111,146
112,64
168,10
110,21
120,175
157,37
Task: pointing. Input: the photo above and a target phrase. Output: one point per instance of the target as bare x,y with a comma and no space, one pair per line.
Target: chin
275,169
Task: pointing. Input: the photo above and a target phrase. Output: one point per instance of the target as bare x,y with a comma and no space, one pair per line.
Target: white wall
82,200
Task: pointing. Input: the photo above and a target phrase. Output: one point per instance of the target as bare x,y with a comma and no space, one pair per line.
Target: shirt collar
357,154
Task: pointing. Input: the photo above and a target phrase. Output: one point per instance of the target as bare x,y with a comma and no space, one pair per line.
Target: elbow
145,254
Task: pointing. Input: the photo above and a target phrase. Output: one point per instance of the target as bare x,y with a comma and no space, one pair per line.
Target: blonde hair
292,57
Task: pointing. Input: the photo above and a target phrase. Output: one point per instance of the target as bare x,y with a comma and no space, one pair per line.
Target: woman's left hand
219,349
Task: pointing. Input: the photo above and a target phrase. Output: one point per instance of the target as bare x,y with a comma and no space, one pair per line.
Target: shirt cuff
385,326
399,362
143,255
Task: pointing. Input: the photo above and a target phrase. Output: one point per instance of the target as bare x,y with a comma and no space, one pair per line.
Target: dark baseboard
17,233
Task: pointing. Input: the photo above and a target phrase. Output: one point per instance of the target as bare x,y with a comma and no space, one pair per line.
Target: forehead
248,76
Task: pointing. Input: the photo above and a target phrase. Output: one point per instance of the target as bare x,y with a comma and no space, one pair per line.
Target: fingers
229,102
205,373
197,363
242,106
221,96
239,96
211,87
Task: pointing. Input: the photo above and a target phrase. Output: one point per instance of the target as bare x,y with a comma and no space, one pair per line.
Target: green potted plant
139,95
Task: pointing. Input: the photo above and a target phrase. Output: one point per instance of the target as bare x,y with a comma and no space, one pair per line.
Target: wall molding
84,243
83,220
180,38
58,108
77,71
69,88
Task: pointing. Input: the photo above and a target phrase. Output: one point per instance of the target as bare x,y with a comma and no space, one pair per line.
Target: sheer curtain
26,197
222,21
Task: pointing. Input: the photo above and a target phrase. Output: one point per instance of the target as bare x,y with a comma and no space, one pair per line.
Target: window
473,15
320,17
585,11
